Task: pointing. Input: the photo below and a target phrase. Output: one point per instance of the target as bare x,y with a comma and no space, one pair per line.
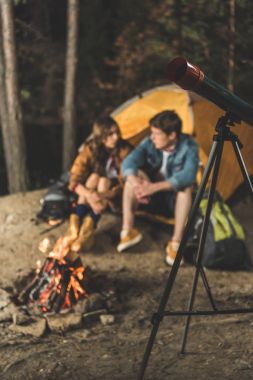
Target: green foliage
18,2
123,49
197,30
25,94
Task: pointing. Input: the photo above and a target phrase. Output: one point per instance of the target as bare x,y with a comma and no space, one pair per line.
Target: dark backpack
225,241
58,201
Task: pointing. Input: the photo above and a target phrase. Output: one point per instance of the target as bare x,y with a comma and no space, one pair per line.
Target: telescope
190,77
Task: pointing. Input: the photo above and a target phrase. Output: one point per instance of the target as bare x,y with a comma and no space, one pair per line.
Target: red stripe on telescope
186,75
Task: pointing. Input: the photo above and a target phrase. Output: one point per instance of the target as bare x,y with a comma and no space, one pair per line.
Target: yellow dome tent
199,117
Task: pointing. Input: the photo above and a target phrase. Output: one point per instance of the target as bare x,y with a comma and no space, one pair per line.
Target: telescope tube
190,77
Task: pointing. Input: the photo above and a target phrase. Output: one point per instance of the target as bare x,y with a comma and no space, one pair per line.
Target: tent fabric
206,115
133,116
199,118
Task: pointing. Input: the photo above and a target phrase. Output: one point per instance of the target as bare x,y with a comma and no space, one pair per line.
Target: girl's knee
81,199
92,181
104,184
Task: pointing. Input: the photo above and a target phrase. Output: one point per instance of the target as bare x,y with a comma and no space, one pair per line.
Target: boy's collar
169,149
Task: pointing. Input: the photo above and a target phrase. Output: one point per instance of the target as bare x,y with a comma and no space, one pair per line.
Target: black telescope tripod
223,133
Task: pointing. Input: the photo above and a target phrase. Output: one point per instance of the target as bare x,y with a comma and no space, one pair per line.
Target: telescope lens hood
186,75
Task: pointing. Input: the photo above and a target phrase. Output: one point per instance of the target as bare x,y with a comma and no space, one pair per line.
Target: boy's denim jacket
182,164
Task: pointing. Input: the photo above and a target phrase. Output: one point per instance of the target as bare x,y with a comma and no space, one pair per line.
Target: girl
96,179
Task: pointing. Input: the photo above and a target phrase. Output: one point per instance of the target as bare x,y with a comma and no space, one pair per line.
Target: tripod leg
207,287
202,241
170,282
243,167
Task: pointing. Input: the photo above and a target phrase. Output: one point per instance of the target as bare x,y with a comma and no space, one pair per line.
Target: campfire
59,283
54,298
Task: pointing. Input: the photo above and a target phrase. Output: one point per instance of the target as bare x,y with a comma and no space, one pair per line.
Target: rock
82,306
82,335
20,318
107,319
4,298
11,218
36,328
85,334
113,305
95,302
64,322
242,364
5,316
93,316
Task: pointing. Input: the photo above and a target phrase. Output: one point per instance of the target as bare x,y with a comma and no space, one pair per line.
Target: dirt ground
218,347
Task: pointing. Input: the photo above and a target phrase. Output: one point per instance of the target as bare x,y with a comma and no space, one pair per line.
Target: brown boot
85,239
73,228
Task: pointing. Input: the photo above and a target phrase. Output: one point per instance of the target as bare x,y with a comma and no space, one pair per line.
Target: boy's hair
167,121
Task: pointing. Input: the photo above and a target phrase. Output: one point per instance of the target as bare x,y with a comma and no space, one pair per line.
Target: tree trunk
231,45
14,141
69,129
178,17
7,145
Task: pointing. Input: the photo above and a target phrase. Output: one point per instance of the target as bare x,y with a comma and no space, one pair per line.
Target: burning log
58,284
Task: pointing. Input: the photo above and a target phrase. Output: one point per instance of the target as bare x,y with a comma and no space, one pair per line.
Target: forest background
119,49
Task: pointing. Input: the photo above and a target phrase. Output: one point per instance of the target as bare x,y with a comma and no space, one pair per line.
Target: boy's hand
143,191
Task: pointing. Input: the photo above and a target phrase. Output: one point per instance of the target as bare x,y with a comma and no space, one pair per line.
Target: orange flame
60,249
38,267
44,245
55,277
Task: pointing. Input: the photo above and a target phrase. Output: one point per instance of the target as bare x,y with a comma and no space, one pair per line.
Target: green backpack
225,241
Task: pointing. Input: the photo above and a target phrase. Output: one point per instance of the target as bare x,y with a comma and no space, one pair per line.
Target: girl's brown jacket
86,163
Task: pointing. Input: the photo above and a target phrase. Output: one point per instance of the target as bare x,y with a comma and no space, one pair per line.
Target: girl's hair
100,131
102,127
